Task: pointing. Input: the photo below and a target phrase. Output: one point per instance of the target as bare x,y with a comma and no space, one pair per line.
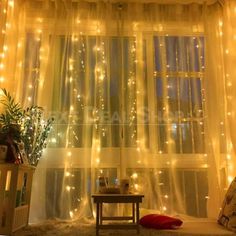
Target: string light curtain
137,91
229,33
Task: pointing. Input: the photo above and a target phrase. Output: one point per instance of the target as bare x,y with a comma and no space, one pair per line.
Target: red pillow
160,222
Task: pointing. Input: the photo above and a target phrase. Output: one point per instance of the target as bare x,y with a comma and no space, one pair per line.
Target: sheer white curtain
215,106
229,32
137,90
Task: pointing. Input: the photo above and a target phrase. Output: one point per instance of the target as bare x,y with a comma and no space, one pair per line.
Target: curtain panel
137,90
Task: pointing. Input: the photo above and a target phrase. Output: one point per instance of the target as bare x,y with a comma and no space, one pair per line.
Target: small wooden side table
135,199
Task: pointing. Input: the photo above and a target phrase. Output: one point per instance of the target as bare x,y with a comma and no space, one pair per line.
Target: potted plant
23,131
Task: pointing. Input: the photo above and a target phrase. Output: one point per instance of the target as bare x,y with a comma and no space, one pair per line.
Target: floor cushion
157,221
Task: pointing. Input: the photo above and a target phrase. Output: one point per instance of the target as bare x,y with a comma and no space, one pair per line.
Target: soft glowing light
69,154
101,77
230,179
5,48
2,78
8,25
19,44
67,174
98,69
53,140
11,3
228,157
134,176
71,214
227,51
164,208
68,188
220,23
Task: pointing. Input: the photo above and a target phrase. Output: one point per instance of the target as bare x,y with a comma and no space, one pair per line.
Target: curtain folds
138,90
228,31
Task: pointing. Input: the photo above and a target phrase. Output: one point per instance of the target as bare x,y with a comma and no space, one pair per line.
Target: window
179,70
119,92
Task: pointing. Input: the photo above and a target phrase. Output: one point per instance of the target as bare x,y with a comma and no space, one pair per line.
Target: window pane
186,137
172,95
178,63
130,89
196,97
198,131
115,74
184,97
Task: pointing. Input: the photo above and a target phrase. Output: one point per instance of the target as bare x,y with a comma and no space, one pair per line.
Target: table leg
100,213
137,216
97,219
133,212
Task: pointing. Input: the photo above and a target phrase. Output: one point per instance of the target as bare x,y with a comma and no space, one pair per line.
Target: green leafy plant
24,125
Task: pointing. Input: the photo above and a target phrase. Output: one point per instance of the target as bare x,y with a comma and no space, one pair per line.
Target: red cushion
160,222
